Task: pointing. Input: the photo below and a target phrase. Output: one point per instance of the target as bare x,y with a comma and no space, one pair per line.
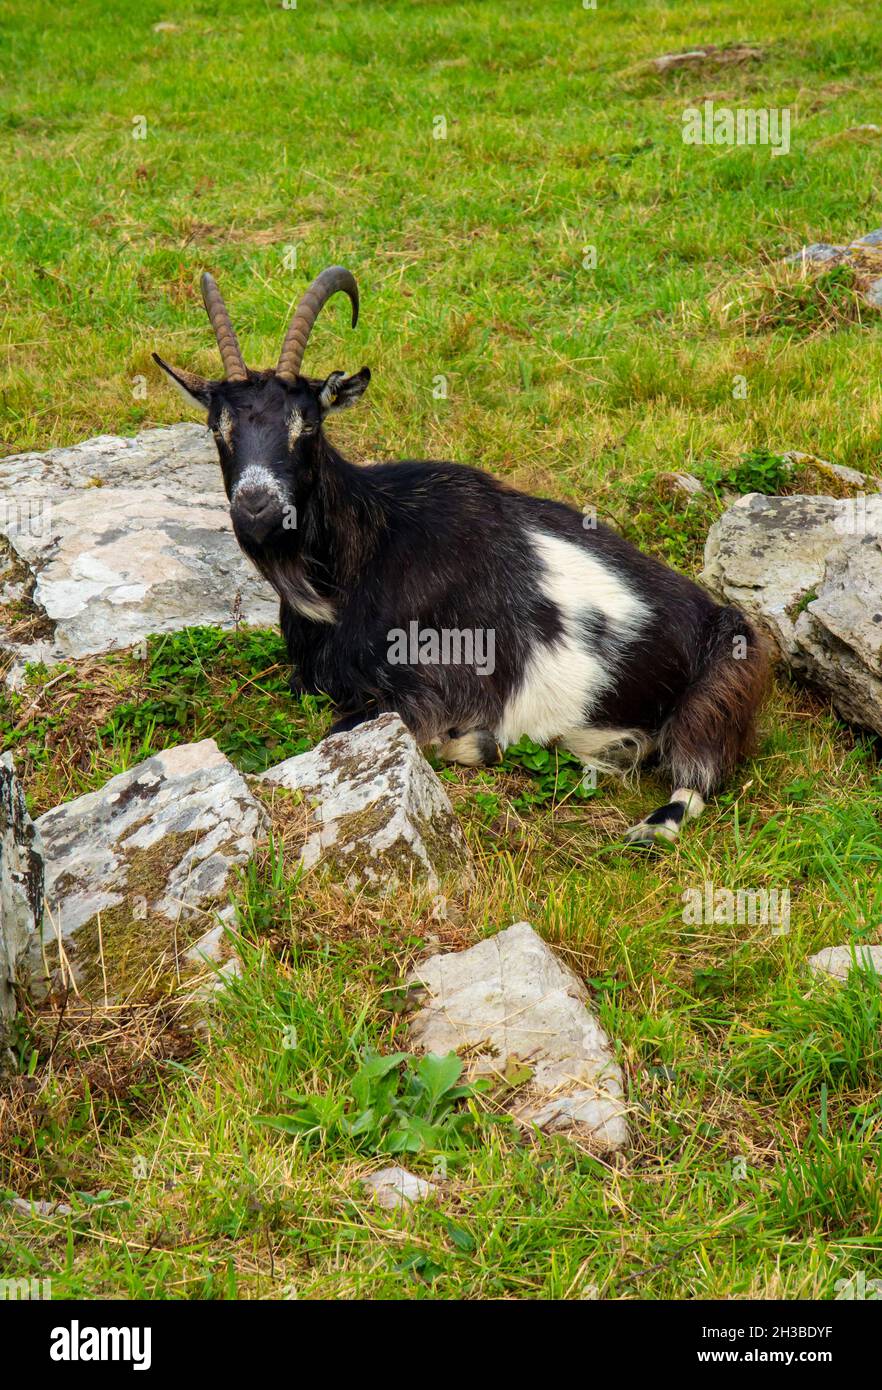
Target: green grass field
566,263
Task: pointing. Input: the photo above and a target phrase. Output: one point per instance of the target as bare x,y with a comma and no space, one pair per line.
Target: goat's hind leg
664,824
711,728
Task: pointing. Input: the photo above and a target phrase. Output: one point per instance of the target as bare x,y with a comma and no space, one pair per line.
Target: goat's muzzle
256,514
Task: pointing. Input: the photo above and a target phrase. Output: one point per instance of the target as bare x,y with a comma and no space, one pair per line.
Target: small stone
512,1010
396,1187
796,457
708,55
33,1206
684,482
840,961
373,811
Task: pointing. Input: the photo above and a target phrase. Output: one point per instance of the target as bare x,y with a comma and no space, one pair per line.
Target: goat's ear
195,389
340,390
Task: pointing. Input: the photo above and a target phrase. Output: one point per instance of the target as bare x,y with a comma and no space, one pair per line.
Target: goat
595,645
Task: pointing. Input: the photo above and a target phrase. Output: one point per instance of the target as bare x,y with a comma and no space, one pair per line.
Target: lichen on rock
137,872
373,812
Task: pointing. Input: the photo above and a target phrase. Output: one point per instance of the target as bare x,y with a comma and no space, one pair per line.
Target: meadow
557,288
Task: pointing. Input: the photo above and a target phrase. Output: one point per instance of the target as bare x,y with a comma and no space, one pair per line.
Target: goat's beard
288,578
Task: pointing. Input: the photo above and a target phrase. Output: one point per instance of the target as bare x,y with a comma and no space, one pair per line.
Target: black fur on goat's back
447,546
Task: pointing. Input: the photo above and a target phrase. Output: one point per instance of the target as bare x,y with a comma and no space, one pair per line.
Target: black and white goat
595,645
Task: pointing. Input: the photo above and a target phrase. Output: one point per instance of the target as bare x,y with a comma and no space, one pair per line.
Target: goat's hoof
477,748
646,836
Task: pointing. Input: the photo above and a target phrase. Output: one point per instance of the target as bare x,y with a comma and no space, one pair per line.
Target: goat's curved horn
323,286
231,353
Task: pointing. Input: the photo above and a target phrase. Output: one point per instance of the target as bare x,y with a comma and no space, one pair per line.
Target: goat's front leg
474,748
298,686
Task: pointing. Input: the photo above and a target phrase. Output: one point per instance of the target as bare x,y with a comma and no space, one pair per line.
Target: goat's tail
712,725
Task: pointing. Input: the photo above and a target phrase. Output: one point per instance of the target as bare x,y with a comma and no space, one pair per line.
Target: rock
116,538
34,1206
809,570
21,896
820,254
796,458
863,256
396,1187
138,872
708,55
684,482
839,961
370,809
509,1007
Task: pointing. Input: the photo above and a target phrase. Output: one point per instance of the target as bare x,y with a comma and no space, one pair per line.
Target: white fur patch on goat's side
256,478
564,678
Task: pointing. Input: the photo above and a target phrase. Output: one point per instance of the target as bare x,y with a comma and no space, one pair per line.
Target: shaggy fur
595,645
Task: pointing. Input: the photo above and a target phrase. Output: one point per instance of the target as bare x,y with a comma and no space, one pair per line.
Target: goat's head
262,421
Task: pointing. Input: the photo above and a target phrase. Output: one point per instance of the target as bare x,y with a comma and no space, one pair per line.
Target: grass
752,1087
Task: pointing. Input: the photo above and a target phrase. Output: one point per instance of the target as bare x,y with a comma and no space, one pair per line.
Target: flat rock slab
809,570
509,1004
395,1187
116,538
21,894
371,810
840,961
138,872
